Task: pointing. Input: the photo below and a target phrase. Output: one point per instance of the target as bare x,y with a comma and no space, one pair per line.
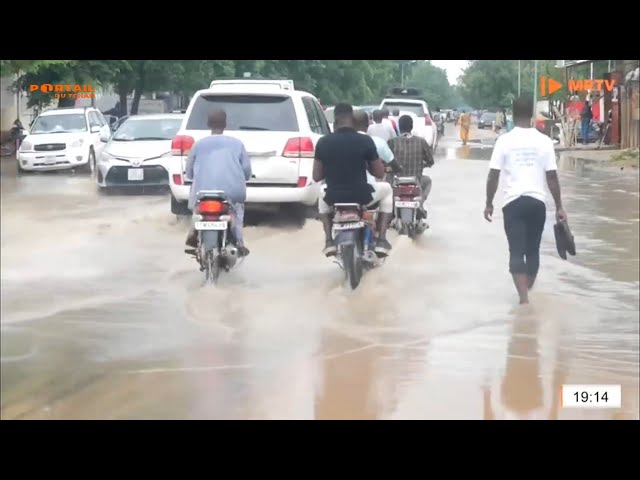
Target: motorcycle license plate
348,225
135,174
50,160
407,204
211,225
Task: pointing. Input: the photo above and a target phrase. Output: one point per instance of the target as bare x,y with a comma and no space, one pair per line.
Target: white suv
279,127
423,124
63,138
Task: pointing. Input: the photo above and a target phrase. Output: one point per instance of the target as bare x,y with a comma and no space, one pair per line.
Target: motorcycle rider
219,162
342,159
361,124
412,154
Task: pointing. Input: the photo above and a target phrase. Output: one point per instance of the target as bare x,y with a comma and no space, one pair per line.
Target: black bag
565,242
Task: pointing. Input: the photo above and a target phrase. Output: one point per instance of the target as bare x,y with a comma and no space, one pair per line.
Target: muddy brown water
104,317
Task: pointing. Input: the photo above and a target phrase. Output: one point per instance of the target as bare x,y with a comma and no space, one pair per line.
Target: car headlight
77,143
168,154
106,156
26,146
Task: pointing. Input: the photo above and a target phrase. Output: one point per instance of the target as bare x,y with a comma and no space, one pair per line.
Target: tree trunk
139,89
137,94
123,103
66,102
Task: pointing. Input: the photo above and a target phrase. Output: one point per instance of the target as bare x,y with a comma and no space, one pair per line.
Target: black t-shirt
345,156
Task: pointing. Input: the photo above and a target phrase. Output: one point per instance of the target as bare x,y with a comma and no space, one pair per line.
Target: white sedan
138,154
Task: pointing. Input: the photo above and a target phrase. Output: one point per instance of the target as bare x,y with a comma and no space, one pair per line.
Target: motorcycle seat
211,194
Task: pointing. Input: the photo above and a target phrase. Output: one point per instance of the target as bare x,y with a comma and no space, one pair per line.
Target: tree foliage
433,83
333,81
494,83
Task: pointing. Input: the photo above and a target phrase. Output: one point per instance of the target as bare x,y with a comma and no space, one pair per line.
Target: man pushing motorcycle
342,159
219,162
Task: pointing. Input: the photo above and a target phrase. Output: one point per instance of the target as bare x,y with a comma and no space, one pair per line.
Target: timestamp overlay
591,396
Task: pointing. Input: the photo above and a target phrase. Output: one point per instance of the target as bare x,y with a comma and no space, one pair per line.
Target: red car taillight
177,179
427,120
299,147
181,145
302,182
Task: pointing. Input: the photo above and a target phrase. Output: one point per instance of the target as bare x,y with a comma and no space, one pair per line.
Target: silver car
138,153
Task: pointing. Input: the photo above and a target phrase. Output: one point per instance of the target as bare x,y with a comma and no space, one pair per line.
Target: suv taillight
299,147
427,120
181,145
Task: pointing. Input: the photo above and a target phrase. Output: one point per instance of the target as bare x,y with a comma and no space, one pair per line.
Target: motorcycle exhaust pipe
422,225
370,256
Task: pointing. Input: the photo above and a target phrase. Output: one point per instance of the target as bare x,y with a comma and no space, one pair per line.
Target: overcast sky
453,67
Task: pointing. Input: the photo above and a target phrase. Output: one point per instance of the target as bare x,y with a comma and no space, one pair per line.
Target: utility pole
402,75
519,77
535,87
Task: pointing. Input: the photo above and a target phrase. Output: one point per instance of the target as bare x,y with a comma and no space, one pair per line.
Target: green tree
433,82
494,83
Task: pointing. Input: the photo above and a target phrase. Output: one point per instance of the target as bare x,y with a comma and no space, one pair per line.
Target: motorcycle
216,250
16,135
407,196
354,229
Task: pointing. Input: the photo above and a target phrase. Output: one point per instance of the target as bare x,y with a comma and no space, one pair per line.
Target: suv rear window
246,112
407,107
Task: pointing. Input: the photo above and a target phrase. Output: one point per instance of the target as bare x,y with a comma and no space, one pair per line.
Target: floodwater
104,317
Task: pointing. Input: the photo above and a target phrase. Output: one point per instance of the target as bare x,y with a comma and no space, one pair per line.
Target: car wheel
90,166
179,208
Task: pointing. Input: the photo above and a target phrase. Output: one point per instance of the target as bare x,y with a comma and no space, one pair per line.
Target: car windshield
488,117
246,112
69,123
414,108
147,129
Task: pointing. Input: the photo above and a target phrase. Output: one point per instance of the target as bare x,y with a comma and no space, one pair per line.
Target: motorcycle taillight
401,190
212,207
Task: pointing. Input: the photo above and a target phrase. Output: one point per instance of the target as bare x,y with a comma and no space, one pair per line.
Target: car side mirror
95,129
104,137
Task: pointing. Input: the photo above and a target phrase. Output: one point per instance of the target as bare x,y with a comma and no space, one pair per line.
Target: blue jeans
585,131
238,221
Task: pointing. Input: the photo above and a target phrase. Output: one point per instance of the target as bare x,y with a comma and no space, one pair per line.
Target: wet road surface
103,317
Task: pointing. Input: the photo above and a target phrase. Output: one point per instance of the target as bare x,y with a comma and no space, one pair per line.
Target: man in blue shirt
219,162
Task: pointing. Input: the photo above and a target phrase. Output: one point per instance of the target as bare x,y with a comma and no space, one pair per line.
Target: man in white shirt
361,123
525,157
380,128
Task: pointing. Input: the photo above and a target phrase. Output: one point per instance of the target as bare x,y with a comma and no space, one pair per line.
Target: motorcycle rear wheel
352,261
212,268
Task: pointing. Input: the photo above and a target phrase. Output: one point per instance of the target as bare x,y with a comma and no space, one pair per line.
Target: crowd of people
353,161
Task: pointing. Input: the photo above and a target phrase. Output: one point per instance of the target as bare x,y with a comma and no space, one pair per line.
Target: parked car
486,120
138,154
63,138
115,125
279,127
409,100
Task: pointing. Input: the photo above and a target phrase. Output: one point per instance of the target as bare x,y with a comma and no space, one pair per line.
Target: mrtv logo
548,86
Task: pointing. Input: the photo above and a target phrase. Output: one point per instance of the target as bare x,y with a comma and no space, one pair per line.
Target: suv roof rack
404,92
282,84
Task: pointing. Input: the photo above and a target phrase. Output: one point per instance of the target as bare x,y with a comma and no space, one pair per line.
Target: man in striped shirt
413,155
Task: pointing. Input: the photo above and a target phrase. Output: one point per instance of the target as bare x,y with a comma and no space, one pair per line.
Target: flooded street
104,317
